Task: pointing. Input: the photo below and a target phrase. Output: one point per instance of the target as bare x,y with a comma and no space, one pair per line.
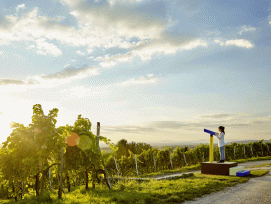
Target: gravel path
255,191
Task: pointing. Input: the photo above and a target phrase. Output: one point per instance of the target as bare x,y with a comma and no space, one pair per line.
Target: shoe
220,161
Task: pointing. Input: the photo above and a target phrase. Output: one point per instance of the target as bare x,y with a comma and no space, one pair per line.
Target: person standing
221,143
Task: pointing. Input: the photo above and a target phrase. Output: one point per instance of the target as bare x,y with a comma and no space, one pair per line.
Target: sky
149,71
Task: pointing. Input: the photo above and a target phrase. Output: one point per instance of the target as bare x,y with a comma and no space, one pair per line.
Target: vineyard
37,158
153,160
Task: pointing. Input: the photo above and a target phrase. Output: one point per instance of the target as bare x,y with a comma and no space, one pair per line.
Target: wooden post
98,134
244,150
61,167
136,165
170,160
154,161
50,182
203,157
251,150
211,157
234,152
184,158
22,189
117,168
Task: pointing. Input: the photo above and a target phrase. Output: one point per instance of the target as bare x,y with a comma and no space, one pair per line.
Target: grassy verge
252,159
150,191
169,172
263,165
198,167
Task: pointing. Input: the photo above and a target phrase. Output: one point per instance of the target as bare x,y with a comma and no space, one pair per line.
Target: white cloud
45,48
146,50
1,52
46,81
73,60
113,2
90,50
21,6
141,80
246,29
237,42
80,53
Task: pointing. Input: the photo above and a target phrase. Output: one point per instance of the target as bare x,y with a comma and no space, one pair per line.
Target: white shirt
221,141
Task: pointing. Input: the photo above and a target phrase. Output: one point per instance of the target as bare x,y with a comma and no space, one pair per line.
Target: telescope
211,157
209,131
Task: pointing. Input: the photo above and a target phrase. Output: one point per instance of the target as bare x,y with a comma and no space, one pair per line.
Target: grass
169,172
198,167
263,165
252,159
150,191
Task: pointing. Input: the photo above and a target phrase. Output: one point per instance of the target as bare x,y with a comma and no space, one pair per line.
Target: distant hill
162,146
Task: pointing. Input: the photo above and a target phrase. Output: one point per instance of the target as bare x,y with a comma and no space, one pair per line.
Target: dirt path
255,191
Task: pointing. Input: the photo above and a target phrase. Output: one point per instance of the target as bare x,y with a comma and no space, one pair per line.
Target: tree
33,149
122,146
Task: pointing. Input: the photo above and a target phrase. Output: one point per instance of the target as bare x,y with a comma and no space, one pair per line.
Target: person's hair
222,128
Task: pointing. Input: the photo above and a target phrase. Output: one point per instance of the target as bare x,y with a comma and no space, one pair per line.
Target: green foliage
194,157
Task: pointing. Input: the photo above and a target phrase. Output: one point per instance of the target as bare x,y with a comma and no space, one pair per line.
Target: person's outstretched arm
220,136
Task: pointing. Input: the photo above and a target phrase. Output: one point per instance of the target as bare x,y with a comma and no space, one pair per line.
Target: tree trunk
86,179
13,190
42,183
93,179
68,183
37,184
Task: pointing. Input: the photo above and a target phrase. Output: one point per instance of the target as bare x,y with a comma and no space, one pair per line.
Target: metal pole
211,157
117,167
154,161
22,188
50,179
61,168
170,160
234,151
98,134
184,158
136,165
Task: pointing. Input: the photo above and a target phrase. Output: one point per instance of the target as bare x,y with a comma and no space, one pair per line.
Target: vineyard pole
98,134
50,179
22,188
117,167
251,150
154,161
170,160
203,157
244,151
234,152
136,165
184,158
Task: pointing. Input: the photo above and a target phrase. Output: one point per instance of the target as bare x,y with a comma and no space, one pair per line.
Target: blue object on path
209,131
243,173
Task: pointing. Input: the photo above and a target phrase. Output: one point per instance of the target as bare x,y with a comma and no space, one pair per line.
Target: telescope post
211,157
